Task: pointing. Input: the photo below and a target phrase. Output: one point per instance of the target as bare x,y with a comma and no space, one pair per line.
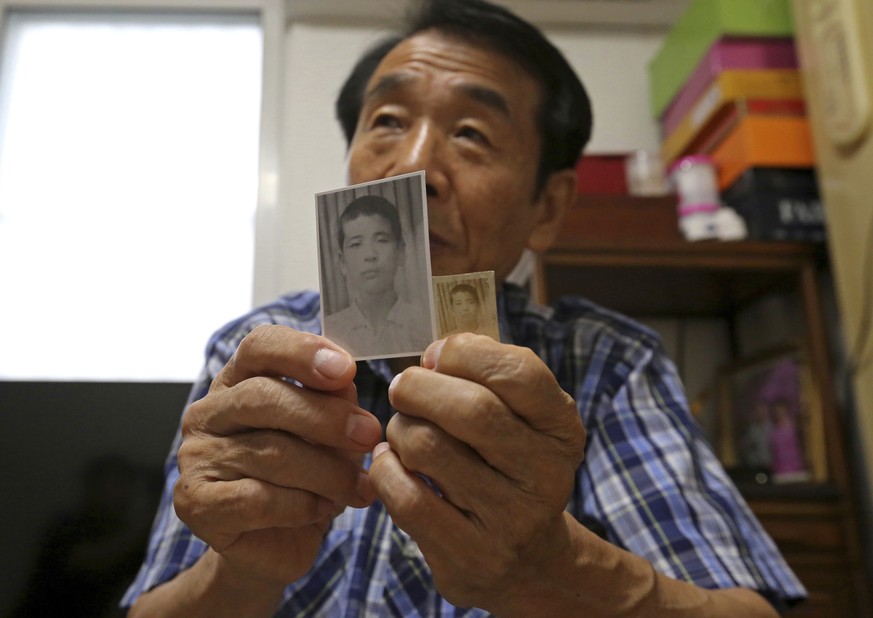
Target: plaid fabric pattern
650,483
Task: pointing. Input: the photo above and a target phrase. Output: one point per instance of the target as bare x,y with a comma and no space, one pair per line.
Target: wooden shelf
626,254
670,278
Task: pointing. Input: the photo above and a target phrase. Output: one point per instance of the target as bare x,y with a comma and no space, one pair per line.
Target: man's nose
417,149
422,149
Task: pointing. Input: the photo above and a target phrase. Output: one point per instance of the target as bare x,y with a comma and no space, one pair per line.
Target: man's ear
555,199
342,263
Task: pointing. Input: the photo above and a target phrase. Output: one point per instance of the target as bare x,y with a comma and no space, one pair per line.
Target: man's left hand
499,442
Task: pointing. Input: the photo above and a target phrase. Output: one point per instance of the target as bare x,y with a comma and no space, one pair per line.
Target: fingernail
359,429
380,448
393,385
331,363
432,354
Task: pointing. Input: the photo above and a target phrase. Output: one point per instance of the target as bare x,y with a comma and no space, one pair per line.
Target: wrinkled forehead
433,53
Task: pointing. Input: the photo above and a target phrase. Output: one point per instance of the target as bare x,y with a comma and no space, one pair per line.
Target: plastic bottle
696,185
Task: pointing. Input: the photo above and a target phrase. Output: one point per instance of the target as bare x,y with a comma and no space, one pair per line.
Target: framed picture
770,420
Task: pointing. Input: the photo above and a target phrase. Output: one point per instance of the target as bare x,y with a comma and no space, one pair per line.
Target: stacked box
747,57
704,136
778,204
737,77
700,26
737,96
763,141
750,88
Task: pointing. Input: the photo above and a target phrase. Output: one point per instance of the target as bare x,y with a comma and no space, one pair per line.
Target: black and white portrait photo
466,303
375,273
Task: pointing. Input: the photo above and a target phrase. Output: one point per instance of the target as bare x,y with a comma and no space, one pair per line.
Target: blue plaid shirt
649,483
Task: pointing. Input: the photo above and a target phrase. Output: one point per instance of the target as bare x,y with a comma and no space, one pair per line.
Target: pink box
728,53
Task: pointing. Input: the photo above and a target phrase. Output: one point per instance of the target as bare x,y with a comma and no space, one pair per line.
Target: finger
455,543
457,471
501,507
273,403
245,505
475,416
349,393
279,351
500,548
413,505
517,376
279,459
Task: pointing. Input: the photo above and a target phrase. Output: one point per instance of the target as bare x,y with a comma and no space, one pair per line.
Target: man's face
465,308
467,117
370,254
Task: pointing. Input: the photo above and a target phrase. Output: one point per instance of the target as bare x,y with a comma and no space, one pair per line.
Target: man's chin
379,290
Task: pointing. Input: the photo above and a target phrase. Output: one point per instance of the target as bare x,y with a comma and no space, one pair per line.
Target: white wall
318,56
612,66
317,60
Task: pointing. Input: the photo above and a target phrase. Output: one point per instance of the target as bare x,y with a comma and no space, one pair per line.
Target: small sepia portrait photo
466,304
374,265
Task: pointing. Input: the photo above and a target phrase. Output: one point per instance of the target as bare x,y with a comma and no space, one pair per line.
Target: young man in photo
467,312
377,321
465,307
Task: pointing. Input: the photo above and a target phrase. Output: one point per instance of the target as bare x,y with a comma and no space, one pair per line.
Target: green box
704,22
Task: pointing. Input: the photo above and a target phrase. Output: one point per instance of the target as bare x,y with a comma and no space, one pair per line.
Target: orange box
764,141
725,122
728,87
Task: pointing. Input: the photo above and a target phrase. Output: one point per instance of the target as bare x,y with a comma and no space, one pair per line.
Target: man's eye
387,121
470,133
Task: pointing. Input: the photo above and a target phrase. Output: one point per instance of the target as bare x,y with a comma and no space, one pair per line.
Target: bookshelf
626,254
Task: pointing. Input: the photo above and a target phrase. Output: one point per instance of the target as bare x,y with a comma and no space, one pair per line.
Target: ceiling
624,14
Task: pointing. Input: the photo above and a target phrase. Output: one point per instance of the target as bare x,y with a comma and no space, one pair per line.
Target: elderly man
485,496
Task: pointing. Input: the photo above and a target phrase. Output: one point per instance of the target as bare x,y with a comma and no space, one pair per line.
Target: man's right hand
265,464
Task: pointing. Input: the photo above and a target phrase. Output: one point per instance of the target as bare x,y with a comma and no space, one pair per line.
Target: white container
644,171
697,223
696,186
695,181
